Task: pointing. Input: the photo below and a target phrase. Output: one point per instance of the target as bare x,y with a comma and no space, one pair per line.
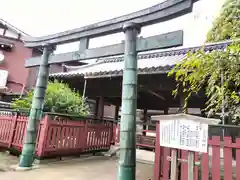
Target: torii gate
131,25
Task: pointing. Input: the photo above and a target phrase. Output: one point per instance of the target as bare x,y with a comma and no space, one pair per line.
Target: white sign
184,134
3,78
1,57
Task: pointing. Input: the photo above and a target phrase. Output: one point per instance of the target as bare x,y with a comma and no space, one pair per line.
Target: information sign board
184,134
3,78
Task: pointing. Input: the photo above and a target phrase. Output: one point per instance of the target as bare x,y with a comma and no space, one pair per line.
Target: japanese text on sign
184,134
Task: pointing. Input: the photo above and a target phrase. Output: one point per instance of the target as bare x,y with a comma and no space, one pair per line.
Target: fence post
190,165
85,139
118,133
113,133
43,135
157,162
13,128
174,164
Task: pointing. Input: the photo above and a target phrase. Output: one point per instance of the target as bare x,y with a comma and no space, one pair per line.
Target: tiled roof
157,62
10,26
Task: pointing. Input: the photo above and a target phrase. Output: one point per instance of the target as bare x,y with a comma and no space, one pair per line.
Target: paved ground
94,168
6,161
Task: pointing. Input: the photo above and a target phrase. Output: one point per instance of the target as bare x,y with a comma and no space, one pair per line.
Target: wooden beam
115,83
143,88
159,13
143,44
109,91
151,103
156,94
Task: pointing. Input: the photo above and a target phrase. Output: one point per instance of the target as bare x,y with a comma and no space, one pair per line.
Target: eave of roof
10,26
175,54
6,42
114,66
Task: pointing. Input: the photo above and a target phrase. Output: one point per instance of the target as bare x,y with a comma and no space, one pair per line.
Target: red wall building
12,57
15,79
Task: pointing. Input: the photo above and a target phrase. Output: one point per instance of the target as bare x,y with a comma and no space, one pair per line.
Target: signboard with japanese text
3,78
184,134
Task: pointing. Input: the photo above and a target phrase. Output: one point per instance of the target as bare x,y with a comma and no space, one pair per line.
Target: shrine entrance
131,26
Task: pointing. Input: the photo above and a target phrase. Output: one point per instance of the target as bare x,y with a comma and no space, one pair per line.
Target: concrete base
46,161
114,151
142,156
18,168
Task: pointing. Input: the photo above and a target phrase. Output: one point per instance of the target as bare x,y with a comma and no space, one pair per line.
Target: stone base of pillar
18,168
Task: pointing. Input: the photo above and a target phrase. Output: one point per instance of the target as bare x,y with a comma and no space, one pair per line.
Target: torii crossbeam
131,25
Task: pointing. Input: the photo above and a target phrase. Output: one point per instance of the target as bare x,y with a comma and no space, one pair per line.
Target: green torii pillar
127,161
28,151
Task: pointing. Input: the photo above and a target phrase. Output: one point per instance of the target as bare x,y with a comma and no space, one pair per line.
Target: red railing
217,164
58,136
142,141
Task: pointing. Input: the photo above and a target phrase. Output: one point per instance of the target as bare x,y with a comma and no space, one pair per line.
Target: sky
45,17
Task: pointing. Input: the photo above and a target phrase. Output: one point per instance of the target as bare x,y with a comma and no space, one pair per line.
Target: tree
217,72
60,98
227,25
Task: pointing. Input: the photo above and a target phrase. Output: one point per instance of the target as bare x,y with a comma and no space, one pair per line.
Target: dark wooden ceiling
154,91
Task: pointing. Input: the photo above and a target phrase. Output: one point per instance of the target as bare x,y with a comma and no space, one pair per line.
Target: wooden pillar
165,111
202,112
144,121
158,161
100,107
96,107
116,112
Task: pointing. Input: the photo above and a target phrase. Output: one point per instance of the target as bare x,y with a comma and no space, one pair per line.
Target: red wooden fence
58,136
217,164
142,141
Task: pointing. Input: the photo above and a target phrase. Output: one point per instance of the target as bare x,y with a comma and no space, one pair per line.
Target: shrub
59,98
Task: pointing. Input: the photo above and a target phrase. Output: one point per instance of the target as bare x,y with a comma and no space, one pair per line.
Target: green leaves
60,98
227,25
203,71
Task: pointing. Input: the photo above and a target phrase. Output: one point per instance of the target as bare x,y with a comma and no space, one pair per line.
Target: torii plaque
131,25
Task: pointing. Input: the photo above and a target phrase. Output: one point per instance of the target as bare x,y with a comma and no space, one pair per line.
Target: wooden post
190,165
116,113
13,129
100,109
96,107
157,160
166,110
43,135
144,122
174,164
